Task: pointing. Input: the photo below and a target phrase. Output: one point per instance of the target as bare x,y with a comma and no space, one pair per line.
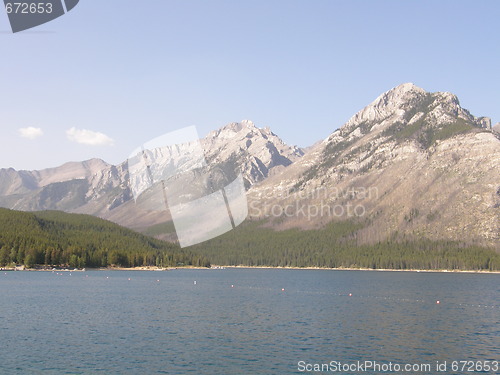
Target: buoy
232,286
129,279
350,294
282,289
438,302
195,282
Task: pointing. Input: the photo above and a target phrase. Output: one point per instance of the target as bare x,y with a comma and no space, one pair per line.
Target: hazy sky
112,74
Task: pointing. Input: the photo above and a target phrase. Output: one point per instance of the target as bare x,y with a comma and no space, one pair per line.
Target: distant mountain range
97,188
411,164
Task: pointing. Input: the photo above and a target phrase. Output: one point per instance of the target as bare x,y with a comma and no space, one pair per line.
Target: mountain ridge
418,150
433,164
96,187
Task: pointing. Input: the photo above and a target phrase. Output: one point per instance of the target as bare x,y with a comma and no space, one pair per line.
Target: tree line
54,238
336,246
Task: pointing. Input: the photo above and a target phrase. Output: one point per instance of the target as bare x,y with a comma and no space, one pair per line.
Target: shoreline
368,269
219,267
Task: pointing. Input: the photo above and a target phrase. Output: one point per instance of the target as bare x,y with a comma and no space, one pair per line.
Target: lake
245,321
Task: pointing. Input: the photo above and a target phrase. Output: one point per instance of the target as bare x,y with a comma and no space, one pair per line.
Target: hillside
336,245
413,164
100,189
411,167
53,238
412,170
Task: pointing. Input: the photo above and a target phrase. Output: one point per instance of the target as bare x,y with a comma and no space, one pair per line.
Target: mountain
256,153
409,182
97,188
67,187
56,238
411,164
13,182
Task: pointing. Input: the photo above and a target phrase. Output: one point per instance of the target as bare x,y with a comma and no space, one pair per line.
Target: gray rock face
98,188
256,152
430,167
414,164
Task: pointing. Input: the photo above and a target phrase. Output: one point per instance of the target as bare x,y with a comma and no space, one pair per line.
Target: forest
335,246
54,238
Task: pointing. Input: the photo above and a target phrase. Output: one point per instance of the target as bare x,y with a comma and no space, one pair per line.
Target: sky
110,75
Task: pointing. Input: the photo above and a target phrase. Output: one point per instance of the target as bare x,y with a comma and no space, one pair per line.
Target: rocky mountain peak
391,103
399,95
257,150
405,105
233,128
95,187
432,165
248,123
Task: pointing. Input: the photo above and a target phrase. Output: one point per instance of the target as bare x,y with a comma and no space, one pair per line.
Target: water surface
241,321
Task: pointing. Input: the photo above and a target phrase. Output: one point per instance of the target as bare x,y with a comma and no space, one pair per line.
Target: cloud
89,137
30,132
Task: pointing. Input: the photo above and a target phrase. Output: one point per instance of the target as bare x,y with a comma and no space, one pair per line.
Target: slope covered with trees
56,238
335,246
